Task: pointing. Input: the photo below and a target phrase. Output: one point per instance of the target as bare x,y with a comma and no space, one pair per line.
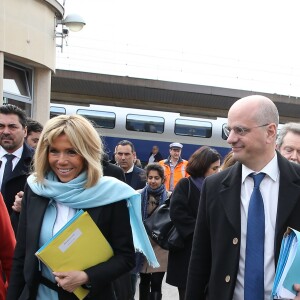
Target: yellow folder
77,246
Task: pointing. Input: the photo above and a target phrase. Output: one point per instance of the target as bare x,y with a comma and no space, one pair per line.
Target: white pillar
1,76
41,98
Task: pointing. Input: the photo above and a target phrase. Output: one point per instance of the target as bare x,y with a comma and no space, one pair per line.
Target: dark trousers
122,287
152,280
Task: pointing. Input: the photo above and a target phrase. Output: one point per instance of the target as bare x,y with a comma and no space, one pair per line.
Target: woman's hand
71,280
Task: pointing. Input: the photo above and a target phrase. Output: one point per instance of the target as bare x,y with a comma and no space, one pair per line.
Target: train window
145,123
193,128
56,111
100,119
224,137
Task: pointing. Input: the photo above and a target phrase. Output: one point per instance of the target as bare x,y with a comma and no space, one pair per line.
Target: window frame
141,119
183,126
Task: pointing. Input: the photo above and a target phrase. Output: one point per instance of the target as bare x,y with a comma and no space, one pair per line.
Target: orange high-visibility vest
179,171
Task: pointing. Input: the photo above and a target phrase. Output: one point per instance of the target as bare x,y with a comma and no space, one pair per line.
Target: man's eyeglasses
240,130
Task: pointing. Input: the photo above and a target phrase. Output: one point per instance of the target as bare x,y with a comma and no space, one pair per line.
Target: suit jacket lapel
134,179
23,164
230,196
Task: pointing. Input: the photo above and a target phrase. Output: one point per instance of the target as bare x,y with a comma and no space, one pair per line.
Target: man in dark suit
34,130
122,285
218,264
288,141
13,131
155,155
125,156
112,170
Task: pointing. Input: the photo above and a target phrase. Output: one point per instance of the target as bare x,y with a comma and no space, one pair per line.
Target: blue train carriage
145,128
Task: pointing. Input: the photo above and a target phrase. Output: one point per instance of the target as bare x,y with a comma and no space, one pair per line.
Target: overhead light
71,22
74,22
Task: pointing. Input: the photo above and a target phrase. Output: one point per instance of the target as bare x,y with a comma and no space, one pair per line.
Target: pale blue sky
252,45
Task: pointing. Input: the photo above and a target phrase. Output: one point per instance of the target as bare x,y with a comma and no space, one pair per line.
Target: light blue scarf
107,190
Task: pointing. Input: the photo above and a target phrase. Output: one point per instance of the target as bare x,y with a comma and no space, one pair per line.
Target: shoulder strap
189,192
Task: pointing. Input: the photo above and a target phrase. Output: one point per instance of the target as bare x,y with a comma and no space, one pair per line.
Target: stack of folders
77,246
288,266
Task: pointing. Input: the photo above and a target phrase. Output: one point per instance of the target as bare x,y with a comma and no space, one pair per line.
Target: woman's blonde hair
83,137
229,160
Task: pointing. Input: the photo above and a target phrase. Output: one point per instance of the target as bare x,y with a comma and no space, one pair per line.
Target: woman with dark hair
153,195
183,211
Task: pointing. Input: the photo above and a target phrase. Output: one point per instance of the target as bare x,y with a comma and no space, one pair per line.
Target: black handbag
160,228
175,241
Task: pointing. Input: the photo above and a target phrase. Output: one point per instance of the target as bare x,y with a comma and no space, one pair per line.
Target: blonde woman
68,177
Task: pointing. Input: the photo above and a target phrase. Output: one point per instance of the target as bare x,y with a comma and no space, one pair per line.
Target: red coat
7,246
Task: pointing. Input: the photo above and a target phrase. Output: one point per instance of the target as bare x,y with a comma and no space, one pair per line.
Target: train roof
77,88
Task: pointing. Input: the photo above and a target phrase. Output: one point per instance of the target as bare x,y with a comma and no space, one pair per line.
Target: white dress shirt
269,188
130,170
151,159
64,214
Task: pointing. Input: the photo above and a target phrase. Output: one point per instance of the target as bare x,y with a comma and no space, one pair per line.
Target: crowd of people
231,212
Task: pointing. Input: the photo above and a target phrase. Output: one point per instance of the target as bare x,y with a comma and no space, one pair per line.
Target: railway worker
174,166
288,142
235,249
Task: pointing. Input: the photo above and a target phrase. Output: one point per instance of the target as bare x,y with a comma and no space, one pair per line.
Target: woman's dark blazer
183,212
113,221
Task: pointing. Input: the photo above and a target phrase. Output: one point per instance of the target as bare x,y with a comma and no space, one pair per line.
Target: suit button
235,241
227,278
